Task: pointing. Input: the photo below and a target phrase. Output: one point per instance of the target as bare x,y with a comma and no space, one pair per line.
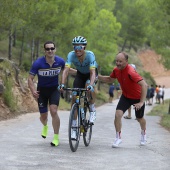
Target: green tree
102,39
134,21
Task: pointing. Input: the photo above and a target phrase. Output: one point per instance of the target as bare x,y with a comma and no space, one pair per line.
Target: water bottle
77,99
82,113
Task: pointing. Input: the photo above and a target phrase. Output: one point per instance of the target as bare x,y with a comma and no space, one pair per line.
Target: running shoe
143,140
44,131
74,134
55,141
92,117
116,143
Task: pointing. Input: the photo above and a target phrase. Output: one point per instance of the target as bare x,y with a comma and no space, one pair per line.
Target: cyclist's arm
65,74
92,76
72,71
106,79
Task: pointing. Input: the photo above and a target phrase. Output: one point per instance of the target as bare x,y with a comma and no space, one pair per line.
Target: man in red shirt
134,90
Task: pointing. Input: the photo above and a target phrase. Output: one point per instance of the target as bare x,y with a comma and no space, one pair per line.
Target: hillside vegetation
17,98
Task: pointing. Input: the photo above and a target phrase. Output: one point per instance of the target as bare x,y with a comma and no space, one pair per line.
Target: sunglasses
48,49
78,47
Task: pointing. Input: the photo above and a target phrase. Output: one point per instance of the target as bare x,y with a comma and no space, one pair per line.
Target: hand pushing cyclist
86,66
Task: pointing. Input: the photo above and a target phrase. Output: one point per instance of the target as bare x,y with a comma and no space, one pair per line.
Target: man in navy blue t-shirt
47,68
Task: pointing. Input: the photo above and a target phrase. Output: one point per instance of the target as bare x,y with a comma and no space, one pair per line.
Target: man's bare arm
143,85
106,79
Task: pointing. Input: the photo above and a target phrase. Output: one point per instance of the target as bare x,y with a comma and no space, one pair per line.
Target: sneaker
44,131
74,134
116,143
55,141
92,117
143,140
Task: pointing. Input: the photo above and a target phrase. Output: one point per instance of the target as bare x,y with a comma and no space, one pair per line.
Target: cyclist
86,67
47,68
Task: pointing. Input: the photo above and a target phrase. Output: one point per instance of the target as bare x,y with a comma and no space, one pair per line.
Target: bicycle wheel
74,117
87,128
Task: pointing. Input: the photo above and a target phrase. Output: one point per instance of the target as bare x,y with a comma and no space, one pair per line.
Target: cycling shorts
125,103
47,95
81,80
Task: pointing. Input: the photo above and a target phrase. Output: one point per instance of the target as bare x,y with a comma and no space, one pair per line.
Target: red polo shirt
128,79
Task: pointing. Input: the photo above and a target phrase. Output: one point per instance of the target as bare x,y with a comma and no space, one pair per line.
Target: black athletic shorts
48,95
111,94
80,79
124,104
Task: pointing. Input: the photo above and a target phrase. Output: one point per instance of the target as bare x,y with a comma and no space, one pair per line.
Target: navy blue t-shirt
47,76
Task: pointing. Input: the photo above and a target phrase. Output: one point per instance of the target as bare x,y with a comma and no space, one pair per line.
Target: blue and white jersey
47,76
84,67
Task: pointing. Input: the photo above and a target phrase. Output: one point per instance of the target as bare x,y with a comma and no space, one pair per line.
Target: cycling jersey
47,76
88,63
128,79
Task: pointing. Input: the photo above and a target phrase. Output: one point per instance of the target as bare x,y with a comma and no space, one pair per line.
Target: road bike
80,115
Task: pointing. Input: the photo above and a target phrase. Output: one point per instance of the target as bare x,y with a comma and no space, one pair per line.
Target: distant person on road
111,92
157,91
118,90
163,93
148,96
160,95
133,93
47,68
152,93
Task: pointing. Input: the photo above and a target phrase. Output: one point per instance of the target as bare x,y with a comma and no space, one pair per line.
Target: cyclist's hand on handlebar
90,87
61,87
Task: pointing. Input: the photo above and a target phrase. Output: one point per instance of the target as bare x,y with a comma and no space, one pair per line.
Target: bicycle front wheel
87,128
74,128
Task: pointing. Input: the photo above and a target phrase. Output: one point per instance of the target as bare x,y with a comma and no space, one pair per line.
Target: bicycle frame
83,125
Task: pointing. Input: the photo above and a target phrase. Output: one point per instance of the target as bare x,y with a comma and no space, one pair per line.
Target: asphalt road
23,148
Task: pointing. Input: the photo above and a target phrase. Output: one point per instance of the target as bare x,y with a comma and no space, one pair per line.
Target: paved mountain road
22,147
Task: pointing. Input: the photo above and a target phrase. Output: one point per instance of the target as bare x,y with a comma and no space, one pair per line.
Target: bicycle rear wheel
74,117
87,128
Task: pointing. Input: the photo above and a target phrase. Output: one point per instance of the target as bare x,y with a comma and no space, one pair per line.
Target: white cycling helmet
79,40
133,66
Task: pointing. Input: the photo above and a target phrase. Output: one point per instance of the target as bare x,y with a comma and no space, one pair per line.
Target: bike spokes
74,128
87,129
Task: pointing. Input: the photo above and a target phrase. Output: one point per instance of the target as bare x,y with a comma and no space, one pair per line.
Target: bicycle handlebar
75,89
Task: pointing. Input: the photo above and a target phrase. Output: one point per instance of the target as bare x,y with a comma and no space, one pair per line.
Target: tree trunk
10,45
22,48
32,50
38,48
14,38
124,44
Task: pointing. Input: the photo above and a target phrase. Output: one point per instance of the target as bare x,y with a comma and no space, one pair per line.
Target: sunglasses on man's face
48,49
78,47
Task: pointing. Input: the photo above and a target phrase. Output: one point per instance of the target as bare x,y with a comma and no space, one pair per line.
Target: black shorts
111,94
48,95
124,104
80,79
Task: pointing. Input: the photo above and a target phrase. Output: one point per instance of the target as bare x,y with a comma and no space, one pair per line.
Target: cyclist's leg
78,83
92,103
54,102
